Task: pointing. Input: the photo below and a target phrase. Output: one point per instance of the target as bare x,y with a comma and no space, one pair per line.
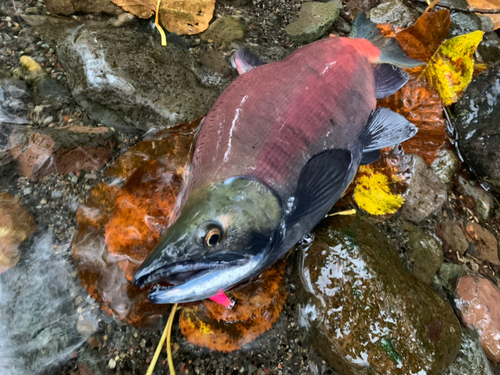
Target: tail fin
390,51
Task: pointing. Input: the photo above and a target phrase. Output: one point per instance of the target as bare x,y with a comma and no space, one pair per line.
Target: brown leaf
422,106
421,40
184,17
488,4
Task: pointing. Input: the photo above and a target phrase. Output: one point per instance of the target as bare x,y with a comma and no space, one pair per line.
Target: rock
366,313
49,92
68,7
14,99
463,23
355,7
52,30
16,225
483,199
41,152
485,243
395,13
476,122
471,358
224,30
453,237
489,48
487,24
215,62
449,274
478,302
426,193
158,87
425,251
445,165
314,20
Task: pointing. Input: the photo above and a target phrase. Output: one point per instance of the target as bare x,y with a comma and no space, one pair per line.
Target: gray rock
486,24
224,30
449,274
395,13
489,48
445,165
156,88
463,23
476,122
425,252
426,193
51,29
471,359
14,99
49,92
366,313
314,20
482,198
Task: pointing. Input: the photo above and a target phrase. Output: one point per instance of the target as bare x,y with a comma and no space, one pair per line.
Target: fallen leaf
374,190
490,5
419,103
256,307
450,69
421,40
184,17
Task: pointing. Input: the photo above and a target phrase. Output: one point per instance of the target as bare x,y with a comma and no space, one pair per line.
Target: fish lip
175,271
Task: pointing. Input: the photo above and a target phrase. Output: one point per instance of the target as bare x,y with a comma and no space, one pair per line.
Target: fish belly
270,121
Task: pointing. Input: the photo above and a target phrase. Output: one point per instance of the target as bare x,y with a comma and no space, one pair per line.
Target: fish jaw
206,284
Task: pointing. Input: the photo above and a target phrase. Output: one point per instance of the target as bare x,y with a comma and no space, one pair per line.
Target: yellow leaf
450,69
372,192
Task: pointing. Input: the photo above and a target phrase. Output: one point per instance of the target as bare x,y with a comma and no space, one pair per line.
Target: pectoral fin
386,128
245,61
321,183
388,79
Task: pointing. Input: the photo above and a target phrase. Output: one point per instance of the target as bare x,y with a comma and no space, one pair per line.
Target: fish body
276,151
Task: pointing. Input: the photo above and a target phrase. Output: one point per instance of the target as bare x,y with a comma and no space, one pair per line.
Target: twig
166,333
468,9
157,23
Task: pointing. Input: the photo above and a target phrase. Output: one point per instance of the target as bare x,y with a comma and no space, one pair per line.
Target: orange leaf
422,106
487,4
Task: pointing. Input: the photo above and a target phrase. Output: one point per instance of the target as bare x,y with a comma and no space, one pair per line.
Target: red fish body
276,151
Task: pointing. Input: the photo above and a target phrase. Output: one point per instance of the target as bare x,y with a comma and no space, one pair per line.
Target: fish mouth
177,273
194,281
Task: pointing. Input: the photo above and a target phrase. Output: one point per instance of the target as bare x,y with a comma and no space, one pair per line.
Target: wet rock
478,302
37,307
445,165
41,152
471,358
395,13
487,24
156,88
453,237
476,122
314,20
463,23
425,252
483,199
224,30
366,312
426,193
14,99
449,274
489,48
16,225
485,243
68,7
49,92
355,7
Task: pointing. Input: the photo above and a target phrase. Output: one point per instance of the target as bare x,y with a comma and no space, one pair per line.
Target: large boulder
477,121
366,313
155,87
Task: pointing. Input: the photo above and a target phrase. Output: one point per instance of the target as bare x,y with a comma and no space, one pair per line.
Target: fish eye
213,236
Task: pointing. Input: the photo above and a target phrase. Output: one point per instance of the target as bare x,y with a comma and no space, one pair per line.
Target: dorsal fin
320,185
388,79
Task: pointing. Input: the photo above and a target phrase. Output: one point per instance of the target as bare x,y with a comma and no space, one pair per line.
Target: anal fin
386,128
321,183
388,79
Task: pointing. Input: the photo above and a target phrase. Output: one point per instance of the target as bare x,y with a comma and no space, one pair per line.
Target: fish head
223,235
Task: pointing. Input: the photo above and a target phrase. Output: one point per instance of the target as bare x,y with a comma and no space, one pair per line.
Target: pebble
453,236
445,165
112,363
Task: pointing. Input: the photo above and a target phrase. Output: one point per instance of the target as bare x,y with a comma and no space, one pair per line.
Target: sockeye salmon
273,155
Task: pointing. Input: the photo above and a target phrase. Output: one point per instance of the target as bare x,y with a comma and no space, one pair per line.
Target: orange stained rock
422,106
122,221
16,225
256,307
